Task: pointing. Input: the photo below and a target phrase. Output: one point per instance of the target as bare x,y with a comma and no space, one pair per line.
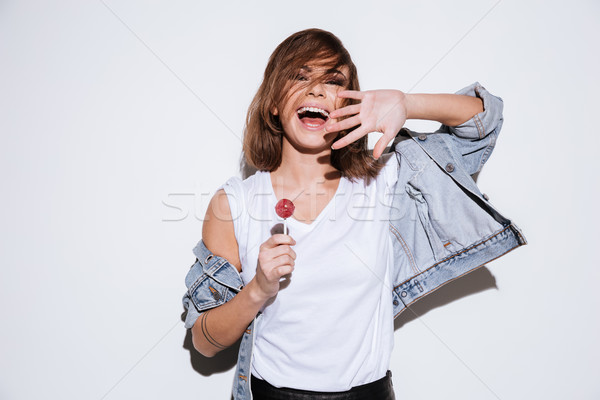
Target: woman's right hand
275,260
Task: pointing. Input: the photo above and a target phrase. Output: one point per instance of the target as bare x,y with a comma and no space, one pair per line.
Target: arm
386,111
447,109
220,327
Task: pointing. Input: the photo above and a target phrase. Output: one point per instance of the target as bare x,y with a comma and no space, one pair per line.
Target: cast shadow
474,282
223,361
477,281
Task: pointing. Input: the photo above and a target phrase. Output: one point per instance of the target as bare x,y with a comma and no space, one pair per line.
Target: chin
310,140
305,145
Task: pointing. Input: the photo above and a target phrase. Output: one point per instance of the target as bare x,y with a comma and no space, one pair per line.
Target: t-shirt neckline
294,221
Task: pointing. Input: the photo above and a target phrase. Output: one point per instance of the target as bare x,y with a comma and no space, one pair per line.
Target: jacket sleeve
211,282
475,139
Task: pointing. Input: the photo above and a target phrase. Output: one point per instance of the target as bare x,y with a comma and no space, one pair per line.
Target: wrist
412,104
255,294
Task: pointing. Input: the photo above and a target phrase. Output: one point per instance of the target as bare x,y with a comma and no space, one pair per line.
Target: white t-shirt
330,327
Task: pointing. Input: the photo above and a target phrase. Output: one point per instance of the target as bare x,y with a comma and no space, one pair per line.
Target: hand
275,259
382,111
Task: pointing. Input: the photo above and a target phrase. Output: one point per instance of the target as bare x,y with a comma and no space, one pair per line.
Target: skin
386,111
222,326
306,176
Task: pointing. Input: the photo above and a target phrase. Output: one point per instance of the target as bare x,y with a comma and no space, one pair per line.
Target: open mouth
312,117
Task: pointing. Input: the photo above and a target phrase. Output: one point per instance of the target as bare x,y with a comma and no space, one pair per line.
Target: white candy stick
285,230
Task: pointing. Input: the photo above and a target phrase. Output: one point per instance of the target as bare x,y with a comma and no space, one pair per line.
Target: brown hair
263,133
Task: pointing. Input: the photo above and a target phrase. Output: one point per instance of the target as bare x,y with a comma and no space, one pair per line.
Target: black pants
379,390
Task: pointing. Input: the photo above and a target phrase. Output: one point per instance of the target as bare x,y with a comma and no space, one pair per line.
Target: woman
369,234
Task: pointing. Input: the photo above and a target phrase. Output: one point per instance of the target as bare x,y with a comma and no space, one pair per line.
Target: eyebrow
329,71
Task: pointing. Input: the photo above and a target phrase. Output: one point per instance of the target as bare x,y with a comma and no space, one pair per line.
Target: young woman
370,234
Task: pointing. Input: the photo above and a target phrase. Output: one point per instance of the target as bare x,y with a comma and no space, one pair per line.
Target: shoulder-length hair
263,132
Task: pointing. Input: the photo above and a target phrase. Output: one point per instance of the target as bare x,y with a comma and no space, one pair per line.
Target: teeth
313,109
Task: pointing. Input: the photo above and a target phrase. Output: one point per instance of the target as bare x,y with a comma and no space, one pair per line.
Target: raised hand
382,111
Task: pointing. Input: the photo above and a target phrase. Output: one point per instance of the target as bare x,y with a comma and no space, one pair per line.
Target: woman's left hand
382,111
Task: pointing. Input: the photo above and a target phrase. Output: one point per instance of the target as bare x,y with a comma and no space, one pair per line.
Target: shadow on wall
226,359
221,362
474,282
477,281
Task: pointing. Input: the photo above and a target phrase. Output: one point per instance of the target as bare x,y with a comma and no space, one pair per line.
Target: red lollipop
284,208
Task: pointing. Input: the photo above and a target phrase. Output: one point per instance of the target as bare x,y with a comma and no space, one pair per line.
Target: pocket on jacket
209,289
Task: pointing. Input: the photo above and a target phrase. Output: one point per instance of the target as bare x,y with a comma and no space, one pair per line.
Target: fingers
276,240
274,267
345,124
274,253
284,270
281,250
285,259
351,94
380,146
344,111
276,259
351,137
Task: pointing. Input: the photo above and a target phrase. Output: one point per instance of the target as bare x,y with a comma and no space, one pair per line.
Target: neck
304,169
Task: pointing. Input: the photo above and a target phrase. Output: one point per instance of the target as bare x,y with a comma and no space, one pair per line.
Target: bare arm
222,326
386,111
448,109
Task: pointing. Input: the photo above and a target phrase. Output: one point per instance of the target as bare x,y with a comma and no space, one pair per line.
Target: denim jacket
442,226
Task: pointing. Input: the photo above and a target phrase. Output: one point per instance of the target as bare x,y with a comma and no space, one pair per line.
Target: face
310,99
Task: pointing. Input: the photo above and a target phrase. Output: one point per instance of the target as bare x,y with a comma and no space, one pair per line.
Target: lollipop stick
285,230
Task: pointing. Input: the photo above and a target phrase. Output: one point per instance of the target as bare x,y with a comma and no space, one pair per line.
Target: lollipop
284,208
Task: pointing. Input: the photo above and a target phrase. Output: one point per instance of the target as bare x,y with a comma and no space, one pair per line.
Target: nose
317,90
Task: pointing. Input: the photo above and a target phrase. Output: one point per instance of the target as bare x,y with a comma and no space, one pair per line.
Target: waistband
378,390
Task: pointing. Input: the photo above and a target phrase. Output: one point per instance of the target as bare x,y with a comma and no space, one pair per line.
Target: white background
110,112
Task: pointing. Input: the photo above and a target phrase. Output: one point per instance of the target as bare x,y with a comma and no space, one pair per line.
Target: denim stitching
444,283
488,150
461,275
454,255
406,249
479,126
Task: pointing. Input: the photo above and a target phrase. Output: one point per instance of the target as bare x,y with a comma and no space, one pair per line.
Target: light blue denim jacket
439,221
